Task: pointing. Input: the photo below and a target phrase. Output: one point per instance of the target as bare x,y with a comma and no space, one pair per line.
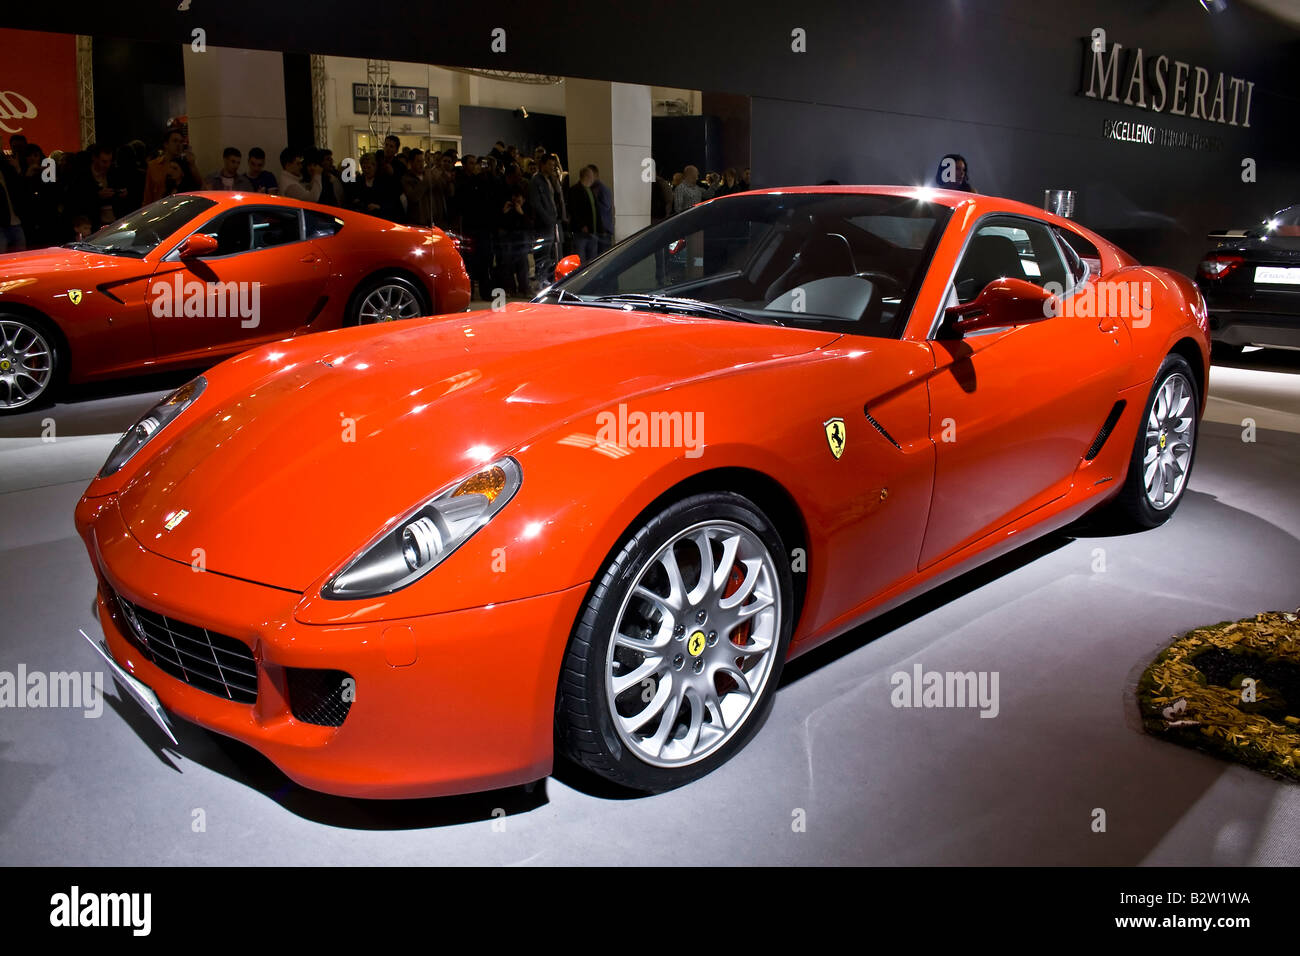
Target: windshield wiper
103,250
696,306
563,296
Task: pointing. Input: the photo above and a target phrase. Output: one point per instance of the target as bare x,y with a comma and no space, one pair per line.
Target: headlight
419,542
153,421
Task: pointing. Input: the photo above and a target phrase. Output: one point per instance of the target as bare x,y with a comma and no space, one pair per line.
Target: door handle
1108,324
310,257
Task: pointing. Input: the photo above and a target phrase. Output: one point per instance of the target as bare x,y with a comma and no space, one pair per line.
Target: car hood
300,452
41,263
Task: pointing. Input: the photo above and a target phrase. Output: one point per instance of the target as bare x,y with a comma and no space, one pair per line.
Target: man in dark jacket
474,202
374,193
583,215
604,211
546,219
514,241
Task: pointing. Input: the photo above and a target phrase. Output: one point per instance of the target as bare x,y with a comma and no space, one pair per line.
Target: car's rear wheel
386,299
676,655
29,362
1164,450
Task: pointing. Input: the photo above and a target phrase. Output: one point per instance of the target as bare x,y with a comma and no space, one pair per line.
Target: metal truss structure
510,76
320,117
379,93
86,90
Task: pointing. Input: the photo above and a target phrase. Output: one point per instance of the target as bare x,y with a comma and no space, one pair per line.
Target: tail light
1217,265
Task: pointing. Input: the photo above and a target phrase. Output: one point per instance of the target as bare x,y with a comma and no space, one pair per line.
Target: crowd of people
505,207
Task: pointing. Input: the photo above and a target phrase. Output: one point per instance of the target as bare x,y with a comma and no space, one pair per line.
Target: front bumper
444,703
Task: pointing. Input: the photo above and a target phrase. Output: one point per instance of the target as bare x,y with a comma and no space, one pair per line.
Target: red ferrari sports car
196,277
424,558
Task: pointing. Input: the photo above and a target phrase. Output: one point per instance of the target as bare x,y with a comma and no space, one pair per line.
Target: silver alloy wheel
694,644
388,303
26,363
1171,434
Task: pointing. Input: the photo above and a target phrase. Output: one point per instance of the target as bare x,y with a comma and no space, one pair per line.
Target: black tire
585,731
358,304
1133,508
18,328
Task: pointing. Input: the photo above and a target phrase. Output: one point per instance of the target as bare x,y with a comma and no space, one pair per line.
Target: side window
275,227
1009,248
319,225
233,232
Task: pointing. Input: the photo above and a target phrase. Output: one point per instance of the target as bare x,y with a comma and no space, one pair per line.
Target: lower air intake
321,697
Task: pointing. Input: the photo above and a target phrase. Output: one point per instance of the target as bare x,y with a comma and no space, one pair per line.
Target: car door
1014,409
262,283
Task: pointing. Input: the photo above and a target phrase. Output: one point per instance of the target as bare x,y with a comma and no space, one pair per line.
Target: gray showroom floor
873,784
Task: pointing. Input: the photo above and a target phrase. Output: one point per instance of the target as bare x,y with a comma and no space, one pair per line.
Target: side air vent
1111,420
880,428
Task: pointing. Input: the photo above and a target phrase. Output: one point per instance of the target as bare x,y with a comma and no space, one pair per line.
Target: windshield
843,262
139,232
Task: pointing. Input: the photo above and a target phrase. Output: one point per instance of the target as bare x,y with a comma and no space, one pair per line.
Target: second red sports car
195,277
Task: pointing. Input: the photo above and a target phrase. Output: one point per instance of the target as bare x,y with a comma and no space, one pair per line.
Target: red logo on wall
38,88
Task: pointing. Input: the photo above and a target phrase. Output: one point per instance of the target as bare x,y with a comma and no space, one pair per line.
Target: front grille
318,696
204,659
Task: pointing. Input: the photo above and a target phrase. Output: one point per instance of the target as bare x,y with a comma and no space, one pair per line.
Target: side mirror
196,246
1001,303
565,266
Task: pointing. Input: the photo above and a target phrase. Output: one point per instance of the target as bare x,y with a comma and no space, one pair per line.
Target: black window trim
1058,231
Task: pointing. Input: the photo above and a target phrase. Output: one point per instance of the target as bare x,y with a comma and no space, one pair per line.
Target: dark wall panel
482,126
299,122
732,111
679,141
138,88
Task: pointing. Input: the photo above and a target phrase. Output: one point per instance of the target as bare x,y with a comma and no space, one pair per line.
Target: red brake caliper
740,635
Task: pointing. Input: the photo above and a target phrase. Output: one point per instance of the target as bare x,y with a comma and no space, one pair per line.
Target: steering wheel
891,286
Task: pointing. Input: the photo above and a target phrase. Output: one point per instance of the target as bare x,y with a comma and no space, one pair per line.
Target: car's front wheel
29,362
677,652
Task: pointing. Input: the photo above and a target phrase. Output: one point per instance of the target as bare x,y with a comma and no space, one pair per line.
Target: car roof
978,203
235,197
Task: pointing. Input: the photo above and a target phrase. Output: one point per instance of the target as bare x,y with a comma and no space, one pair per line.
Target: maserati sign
14,108
1161,84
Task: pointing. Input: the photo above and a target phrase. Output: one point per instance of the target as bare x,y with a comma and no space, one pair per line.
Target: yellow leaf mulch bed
1233,690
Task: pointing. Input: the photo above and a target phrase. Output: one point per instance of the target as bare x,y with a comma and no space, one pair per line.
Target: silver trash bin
1060,202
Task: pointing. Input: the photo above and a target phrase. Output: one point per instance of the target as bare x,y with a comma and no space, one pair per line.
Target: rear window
320,225
1082,248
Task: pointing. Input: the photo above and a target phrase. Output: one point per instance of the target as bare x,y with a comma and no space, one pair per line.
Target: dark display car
1251,284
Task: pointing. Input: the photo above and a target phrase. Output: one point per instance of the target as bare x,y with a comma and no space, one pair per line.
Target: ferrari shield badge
835,436
74,296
